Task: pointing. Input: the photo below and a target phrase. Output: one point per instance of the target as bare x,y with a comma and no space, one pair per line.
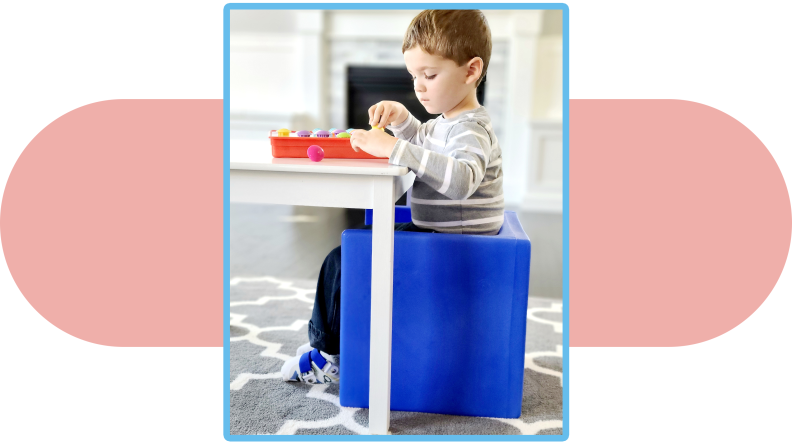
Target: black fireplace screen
368,85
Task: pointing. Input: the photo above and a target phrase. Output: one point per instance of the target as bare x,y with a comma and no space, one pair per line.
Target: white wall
275,63
544,174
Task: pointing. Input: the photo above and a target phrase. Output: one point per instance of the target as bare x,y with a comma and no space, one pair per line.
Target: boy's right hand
387,113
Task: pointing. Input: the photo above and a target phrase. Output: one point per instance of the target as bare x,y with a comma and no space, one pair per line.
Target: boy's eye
431,77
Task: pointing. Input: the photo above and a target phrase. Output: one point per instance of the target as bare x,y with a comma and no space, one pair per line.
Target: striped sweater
458,172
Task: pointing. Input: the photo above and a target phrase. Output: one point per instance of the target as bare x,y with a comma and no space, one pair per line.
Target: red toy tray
297,147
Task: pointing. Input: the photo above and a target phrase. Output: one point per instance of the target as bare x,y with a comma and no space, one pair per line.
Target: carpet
269,319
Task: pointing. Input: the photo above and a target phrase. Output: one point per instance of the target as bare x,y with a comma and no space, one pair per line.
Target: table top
256,154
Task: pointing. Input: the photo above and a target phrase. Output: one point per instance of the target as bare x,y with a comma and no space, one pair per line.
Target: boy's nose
418,86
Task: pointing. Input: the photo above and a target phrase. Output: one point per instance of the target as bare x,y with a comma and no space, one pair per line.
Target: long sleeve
411,130
455,167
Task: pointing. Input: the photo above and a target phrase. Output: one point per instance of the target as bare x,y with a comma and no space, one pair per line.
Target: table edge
394,171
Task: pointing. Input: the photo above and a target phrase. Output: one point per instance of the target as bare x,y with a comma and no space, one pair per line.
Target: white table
256,177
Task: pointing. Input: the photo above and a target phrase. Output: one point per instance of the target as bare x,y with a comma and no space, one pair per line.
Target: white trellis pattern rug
269,319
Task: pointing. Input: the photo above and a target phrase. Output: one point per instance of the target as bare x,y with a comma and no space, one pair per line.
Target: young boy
456,159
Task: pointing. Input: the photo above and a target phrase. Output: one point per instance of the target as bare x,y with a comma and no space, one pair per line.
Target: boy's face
439,83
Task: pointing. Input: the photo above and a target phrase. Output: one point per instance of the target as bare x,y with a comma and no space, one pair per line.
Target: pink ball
315,153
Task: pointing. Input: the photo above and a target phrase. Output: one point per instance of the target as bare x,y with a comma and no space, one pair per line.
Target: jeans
324,329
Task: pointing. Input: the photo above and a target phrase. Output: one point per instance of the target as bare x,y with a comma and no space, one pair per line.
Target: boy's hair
458,35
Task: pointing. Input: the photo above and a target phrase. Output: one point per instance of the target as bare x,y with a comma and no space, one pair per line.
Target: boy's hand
373,142
387,112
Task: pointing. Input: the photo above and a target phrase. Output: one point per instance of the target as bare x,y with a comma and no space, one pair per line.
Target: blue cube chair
459,316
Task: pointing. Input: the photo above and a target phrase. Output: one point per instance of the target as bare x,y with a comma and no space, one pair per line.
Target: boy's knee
334,257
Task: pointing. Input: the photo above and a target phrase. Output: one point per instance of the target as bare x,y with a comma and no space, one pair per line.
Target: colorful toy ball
332,130
349,131
316,130
283,132
322,134
343,135
315,153
303,133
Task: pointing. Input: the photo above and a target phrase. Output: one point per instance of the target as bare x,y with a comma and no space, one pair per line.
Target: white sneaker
313,367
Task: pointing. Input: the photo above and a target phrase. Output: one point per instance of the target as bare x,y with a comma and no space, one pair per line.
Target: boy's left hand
373,142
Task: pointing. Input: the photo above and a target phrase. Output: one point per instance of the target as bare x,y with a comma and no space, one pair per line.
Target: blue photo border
226,220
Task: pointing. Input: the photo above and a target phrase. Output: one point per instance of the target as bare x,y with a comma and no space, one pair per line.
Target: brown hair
458,35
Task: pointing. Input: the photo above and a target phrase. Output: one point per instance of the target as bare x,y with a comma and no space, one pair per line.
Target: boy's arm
456,175
411,130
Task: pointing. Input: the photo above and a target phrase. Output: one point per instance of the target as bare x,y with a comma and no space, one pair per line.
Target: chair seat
459,318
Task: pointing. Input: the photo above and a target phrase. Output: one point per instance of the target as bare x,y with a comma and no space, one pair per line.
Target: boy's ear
474,68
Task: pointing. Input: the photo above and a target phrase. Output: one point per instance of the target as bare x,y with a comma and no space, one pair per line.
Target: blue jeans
324,329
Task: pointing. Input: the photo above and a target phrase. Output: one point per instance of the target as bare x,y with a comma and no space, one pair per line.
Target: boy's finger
380,118
355,140
386,117
372,112
377,112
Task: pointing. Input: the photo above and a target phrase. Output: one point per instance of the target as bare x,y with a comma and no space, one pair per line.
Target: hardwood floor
292,242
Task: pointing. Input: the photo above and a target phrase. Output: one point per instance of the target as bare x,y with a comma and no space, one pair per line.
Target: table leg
381,306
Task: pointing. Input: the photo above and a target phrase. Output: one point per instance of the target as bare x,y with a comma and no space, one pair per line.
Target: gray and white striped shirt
458,172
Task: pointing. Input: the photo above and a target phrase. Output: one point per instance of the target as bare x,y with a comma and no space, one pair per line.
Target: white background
57,56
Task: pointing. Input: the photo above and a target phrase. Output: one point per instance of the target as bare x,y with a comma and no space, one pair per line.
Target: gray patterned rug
269,319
